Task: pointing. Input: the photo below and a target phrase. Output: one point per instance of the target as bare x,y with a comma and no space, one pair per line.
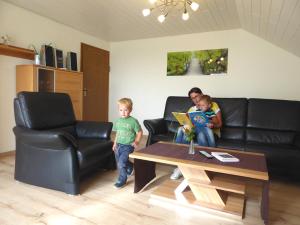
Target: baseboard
9,153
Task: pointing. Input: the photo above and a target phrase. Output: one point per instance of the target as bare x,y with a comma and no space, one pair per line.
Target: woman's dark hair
195,90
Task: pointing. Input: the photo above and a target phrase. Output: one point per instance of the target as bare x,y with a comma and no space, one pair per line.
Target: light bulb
152,1
185,15
146,12
194,6
161,18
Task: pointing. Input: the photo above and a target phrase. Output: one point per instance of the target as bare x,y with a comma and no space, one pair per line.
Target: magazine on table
224,157
197,118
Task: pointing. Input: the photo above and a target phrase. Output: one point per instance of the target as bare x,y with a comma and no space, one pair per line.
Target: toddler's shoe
119,184
129,172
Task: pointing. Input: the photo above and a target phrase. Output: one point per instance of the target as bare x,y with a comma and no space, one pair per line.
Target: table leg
144,172
265,202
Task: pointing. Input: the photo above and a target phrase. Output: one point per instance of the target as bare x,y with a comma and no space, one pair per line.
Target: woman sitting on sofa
202,138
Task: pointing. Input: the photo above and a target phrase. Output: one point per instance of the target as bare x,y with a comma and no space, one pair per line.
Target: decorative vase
191,148
37,59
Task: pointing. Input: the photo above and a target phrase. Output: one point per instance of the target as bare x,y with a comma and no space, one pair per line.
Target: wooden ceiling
277,21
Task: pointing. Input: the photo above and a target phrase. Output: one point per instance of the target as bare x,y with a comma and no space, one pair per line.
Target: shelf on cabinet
13,51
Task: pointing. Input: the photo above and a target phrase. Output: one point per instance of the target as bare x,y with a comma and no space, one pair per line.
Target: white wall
256,68
28,28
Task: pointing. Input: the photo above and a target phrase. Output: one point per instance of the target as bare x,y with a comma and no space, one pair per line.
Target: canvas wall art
202,62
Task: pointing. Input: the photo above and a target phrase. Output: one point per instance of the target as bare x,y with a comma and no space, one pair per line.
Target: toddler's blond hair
127,102
206,98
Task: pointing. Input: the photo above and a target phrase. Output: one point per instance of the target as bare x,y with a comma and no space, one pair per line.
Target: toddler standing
128,136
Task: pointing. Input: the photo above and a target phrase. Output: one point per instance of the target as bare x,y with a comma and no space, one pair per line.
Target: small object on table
206,154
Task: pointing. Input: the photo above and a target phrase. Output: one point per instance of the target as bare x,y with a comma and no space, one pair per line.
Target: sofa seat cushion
92,151
231,144
233,133
168,137
279,157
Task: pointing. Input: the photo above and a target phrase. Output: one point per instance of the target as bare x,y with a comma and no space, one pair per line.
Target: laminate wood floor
101,204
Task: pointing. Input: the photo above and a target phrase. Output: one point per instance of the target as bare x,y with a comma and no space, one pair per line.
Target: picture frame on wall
201,62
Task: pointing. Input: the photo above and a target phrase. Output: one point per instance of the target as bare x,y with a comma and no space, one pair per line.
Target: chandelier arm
171,3
166,6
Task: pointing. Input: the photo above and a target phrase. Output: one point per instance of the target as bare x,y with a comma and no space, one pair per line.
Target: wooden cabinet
48,79
71,83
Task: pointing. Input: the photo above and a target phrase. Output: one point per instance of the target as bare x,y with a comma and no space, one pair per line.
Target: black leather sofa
53,150
267,126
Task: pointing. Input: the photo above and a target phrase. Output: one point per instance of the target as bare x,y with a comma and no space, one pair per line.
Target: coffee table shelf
165,192
227,183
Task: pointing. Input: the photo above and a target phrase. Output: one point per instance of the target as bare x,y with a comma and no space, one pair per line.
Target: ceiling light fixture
166,6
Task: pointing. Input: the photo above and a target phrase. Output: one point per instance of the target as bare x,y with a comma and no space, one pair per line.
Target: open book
197,118
183,119
224,157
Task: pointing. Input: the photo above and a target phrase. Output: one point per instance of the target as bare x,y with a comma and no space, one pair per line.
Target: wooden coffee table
207,182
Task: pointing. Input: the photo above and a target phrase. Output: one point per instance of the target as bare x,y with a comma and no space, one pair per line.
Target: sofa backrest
234,112
234,117
175,104
273,121
41,110
254,120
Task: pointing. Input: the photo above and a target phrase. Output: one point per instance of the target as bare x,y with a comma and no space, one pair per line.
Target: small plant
6,39
31,46
190,133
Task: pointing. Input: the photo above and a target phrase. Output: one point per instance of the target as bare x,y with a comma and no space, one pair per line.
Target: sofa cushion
176,104
232,133
297,140
234,111
91,151
68,129
272,114
168,137
270,137
231,144
279,157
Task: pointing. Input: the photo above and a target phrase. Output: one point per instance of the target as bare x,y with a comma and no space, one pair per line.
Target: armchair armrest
156,126
46,139
47,159
89,129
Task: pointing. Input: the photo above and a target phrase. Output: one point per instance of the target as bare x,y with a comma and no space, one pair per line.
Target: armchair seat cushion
89,151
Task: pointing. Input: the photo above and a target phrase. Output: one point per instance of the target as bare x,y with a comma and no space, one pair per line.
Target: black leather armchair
53,150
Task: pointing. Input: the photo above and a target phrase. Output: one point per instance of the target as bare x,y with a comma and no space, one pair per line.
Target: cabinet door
71,83
45,80
26,78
